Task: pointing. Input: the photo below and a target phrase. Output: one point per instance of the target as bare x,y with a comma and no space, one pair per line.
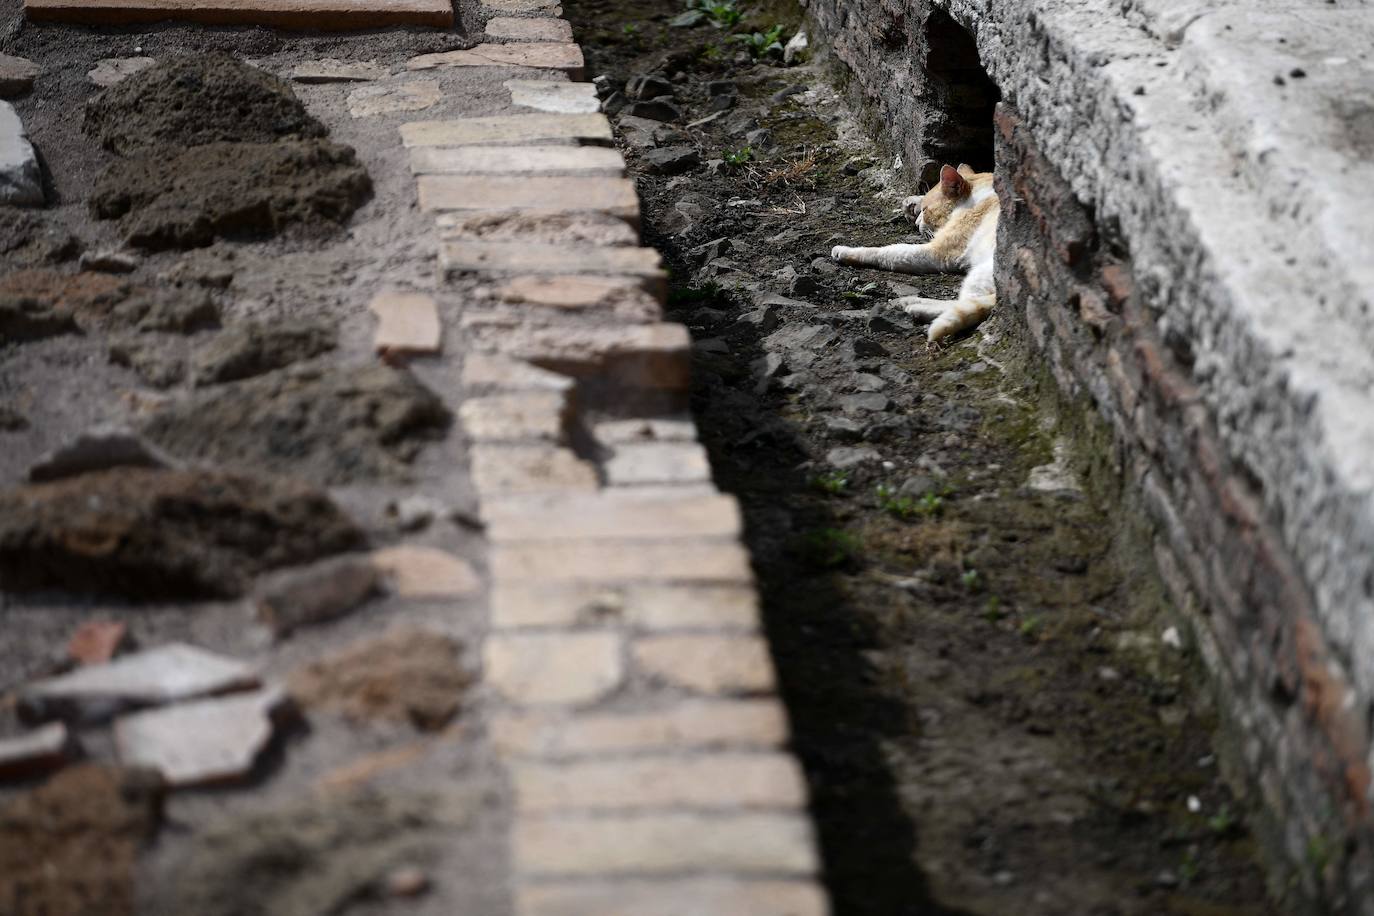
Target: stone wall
1151,180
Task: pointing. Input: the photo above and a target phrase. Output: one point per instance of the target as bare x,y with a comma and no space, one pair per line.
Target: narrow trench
988,716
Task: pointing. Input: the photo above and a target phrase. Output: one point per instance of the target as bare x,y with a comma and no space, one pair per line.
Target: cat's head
932,209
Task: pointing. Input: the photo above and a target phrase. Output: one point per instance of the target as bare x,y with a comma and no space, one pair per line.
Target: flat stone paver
525,29
646,607
658,463
686,725
672,897
538,415
545,95
578,516
282,14
547,7
709,664
373,100
517,160
456,257
548,55
407,323
721,780
415,571
621,561
543,194
529,469
542,668
507,129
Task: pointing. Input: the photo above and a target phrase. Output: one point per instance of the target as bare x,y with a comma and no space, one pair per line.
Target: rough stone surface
525,29
330,70
550,55
69,847
27,755
292,598
673,897
407,324
415,95
425,572
554,668
99,449
408,675
21,177
152,533
517,160
192,100
690,724
169,673
506,129
610,561
187,199
529,469
560,98
28,240
538,228
97,301
723,781
710,664
578,516
538,193
647,607
201,743
638,463
283,14
520,417
459,257
17,75
111,70
345,424
253,348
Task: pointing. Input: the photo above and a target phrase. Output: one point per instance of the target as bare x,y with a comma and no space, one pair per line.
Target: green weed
830,548
832,484
761,44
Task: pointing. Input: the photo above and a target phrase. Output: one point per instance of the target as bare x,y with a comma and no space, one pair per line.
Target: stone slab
507,129
324,15
539,194
650,429
517,160
642,355
489,370
730,781
545,95
543,28
647,844
548,55
700,896
644,607
459,257
17,75
637,463
166,674
547,7
571,292
415,95
201,743
21,178
35,752
690,724
529,469
709,664
407,323
535,227
111,70
620,561
554,668
534,415
606,514
416,571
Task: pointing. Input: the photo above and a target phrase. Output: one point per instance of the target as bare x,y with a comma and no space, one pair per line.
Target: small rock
848,456
864,348
425,572
1166,878
414,513
97,641
769,365
99,448
644,87
895,374
916,486
687,20
797,336
660,109
762,299
795,49
204,742
39,751
883,324
766,320
21,179
722,87
716,248
167,674
760,139
111,70
614,103
864,381
408,675
786,93
856,165
739,124
292,598
803,286
604,86
16,76
330,70
721,103
844,428
150,359
824,266
254,348
11,420
671,160
868,402
110,261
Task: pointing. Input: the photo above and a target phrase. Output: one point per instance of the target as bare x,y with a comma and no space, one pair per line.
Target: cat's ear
966,170
952,183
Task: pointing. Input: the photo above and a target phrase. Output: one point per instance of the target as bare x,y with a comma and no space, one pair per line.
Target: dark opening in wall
959,94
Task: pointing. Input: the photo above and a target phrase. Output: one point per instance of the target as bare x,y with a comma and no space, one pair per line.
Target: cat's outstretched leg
960,315
921,307
906,259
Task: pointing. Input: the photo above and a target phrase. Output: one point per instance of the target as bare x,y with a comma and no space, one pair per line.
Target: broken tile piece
416,95
208,741
408,323
111,70
330,70
96,641
420,572
36,752
167,674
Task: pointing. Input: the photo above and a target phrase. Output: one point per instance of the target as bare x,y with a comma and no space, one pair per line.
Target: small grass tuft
832,484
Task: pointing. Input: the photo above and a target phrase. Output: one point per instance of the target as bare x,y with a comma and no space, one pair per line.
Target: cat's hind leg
906,259
921,307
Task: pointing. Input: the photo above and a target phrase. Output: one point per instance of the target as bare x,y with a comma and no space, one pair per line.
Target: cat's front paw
839,253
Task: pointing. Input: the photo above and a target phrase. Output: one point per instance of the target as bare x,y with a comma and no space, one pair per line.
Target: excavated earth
992,711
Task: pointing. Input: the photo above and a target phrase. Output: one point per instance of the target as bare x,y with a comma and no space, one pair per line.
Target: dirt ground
991,716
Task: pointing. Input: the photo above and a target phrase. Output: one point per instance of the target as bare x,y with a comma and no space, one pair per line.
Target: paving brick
719,780
608,515
408,323
514,417
582,227
544,95
647,844
572,292
554,668
652,429
690,724
645,355
710,664
529,469
647,607
526,128
658,462
544,28
550,7
416,95
672,897
488,370
620,561
548,55
419,572
460,257
331,15
517,160
541,193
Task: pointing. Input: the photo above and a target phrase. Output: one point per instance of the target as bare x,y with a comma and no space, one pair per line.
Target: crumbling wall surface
1187,240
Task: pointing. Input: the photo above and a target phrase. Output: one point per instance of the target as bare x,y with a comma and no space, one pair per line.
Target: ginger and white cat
962,212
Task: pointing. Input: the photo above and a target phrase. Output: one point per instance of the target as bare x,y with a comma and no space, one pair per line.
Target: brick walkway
627,690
